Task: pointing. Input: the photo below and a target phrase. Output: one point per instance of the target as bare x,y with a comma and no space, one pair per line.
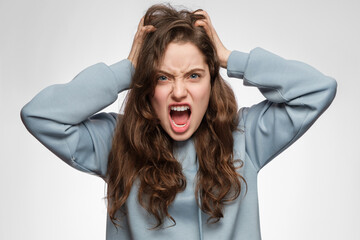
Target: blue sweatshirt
63,118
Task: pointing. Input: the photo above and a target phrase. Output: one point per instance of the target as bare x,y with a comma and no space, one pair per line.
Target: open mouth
180,117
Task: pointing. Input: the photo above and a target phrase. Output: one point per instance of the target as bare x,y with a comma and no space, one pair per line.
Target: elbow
24,115
326,95
331,88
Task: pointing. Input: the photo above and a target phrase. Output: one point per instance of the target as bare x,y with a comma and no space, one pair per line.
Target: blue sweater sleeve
296,95
63,116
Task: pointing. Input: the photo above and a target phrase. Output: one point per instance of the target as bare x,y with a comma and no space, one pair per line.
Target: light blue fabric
62,118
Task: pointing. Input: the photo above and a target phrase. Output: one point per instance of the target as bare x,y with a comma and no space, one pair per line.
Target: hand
138,40
222,52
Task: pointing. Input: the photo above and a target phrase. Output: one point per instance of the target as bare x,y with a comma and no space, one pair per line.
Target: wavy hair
143,151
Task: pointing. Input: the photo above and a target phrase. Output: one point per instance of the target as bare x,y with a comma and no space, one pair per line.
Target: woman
181,163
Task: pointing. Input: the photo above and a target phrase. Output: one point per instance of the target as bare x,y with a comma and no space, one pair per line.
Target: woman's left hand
222,52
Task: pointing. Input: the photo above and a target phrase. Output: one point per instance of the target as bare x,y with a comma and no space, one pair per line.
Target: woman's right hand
138,40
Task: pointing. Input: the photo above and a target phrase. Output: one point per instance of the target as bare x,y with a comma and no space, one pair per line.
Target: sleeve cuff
123,72
236,64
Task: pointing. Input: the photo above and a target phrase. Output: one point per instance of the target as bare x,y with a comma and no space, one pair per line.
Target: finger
142,32
145,30
149,28
200,22
204,13
141,23
200,11
205,25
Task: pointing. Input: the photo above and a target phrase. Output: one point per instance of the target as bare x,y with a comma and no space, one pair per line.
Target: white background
311,191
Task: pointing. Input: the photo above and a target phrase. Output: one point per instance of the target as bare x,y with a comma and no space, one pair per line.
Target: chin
180,137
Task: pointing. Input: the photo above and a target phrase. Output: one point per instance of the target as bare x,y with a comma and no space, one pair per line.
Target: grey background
311,191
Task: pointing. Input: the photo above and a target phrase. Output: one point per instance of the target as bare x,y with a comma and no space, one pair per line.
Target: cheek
203,95
158,101
206,98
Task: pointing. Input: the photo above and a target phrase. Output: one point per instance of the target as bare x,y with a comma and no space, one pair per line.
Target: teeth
177,125
180,108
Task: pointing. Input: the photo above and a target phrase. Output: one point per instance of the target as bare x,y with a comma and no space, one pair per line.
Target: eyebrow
188,72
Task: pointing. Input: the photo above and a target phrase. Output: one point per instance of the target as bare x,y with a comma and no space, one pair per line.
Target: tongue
180,117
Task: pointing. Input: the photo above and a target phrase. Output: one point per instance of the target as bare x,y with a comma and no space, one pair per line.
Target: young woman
181,162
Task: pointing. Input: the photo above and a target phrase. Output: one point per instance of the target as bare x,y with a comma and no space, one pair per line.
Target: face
183,90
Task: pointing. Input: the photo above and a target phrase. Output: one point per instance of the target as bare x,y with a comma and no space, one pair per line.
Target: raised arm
62,116
296,95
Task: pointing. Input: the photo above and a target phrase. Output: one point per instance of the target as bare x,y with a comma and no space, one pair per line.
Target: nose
179,90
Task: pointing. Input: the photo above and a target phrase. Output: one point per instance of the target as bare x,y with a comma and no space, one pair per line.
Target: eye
162,78
194,75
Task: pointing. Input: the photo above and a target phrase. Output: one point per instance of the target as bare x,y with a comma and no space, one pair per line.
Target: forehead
181,57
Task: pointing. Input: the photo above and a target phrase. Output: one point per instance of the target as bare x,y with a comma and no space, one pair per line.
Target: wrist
132,58
223,59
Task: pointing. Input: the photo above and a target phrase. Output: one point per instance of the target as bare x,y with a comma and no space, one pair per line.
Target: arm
296,93
60,116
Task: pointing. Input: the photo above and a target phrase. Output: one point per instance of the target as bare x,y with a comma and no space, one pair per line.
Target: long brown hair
142,150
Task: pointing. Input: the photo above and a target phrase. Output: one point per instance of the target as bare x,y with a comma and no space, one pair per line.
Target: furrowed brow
196,70
165,73
187,73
